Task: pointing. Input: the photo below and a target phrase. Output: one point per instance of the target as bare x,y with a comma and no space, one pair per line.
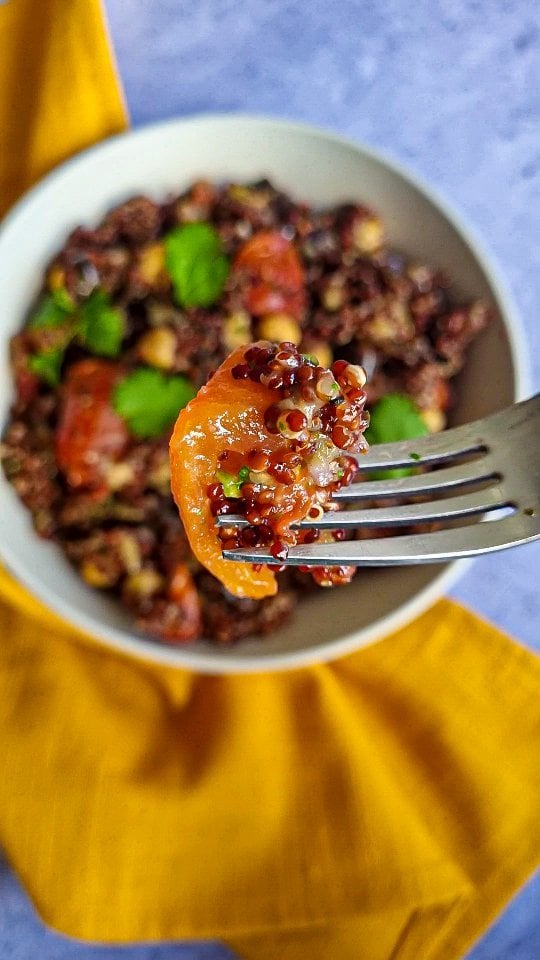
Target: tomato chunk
90,434
276,277
226,413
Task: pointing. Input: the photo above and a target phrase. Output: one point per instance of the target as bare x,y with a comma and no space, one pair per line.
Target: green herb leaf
231,482
96,324
150,401
52,310
414,456
196,264
101,326
47,365
394,417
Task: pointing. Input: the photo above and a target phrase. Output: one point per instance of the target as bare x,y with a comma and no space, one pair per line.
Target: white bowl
312,165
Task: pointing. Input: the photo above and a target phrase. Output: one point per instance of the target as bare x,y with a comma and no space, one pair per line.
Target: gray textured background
450,89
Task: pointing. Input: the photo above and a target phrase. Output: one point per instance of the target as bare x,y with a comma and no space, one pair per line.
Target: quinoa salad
134,317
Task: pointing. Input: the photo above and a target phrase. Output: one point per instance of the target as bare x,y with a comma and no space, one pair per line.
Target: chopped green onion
231,482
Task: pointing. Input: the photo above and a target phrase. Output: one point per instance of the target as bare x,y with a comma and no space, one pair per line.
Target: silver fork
491,464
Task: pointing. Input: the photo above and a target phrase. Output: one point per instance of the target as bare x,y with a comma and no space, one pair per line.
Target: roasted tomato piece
90,434
224,413
274,273
268,438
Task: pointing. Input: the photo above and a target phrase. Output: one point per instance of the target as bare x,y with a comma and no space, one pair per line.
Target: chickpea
157,347
278,327
333,297
119,475
130,553
368,235
390,325
144,583
151,264
160,478
434,419
237,330
94,575
321,350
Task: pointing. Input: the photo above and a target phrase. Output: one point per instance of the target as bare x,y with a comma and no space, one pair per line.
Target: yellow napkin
384,806
58,88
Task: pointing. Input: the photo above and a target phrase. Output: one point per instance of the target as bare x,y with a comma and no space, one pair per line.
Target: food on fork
269,438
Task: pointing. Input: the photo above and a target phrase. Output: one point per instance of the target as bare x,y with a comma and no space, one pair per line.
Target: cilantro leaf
95,323
149,401
394,417
196,264
52,310
47,365
101,326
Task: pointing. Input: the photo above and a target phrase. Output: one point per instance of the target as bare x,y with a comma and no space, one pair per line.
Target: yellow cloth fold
384,806
58,88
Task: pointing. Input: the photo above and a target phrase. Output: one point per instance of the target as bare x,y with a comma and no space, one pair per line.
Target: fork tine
449,508
439,481
416,548
469,438
424,450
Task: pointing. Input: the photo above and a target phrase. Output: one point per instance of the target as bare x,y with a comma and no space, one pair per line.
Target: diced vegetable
276,276
90,434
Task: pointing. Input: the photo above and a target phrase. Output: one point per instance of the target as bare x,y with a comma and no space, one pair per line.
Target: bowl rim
210,662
